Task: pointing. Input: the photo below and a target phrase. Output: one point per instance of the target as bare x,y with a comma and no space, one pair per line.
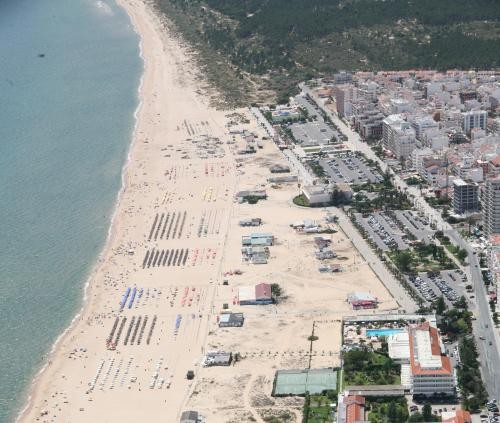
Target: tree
392,412
492,306
462,254
440,305
403,260
427,412
461,303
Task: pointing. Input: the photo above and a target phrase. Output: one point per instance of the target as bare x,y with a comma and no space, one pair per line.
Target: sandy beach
175,240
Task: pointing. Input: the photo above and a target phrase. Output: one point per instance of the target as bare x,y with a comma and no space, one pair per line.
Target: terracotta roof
461,416
355,408
416,368
263,290
495,161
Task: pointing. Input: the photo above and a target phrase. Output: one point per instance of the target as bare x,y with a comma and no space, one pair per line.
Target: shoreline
111,233
183,166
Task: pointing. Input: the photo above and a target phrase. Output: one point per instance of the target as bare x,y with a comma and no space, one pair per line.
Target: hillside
271,44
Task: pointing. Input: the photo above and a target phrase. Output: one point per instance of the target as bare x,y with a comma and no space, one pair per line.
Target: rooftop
425,352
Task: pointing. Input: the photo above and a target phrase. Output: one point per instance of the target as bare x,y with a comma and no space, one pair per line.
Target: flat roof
246,293
431,318
425,352
376,390
399,346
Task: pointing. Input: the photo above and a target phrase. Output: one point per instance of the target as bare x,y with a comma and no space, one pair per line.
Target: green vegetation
423,258
413,180
456,324
364,367
438,202
301,200
460,253
277,292
469,376
425,416
316,168
277,43
388,199
276,416
317,408
387,410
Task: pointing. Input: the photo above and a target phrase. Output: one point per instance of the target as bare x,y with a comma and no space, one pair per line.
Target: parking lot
349,168
303,102
447,283
417,226
312,133
383,231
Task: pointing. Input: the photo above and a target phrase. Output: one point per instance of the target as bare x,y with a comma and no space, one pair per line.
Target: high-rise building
398,136
491,206
474,119
345,95
388,125
465,196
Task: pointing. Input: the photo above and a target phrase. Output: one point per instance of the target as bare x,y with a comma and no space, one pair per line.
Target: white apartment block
423,123
398,136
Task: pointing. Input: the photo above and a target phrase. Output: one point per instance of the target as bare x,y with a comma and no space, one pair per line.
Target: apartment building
474,119
491,206
431,369
465,196
422,123
345,95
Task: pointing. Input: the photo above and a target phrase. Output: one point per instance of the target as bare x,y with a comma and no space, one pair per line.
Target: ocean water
66,121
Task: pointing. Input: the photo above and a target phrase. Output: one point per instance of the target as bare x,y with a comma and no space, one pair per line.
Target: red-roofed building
351,408
259,294
431,370
459,416
494,166
263,292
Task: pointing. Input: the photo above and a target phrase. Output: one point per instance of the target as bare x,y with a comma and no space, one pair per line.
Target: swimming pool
382,332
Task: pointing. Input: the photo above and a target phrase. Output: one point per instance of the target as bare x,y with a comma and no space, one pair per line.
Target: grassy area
363,367
317,408
459,253
387,410
421,258
387,199
301,200
316,168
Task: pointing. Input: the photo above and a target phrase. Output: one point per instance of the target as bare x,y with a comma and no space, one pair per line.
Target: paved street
387,278
489,355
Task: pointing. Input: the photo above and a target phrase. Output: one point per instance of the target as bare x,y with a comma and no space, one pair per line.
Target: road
387,278
483,326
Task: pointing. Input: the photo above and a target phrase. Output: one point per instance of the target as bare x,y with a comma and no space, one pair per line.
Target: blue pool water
382,332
